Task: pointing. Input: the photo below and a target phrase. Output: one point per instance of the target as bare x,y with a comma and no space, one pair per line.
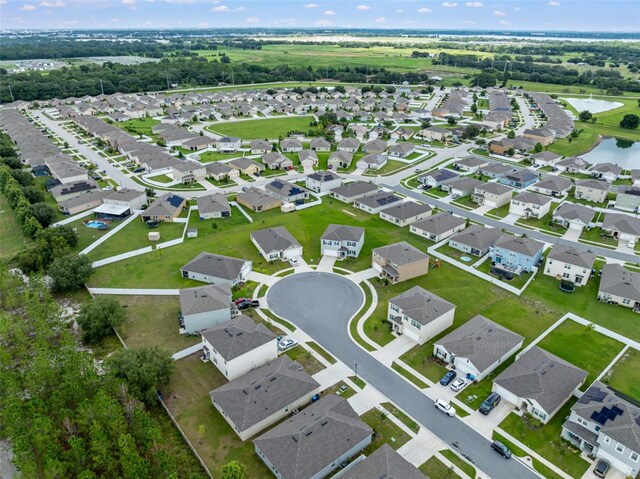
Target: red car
241,300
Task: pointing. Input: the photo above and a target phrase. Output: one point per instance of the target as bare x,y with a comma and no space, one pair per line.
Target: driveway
321,304
572,234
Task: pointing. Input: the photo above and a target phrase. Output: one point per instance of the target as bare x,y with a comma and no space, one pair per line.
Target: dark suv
501,449
447,378
490,403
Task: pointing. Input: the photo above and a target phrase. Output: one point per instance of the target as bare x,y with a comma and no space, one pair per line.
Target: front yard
596,235
384,431
500,213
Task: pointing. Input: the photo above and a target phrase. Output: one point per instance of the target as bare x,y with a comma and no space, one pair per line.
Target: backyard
271,128
625,374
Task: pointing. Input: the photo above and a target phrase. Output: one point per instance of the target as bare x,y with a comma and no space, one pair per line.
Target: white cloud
252,20
400,11
3,2
329,12
148,23
474,4
27,8
226,9
381,20
450,4
424,10
504,22
552,3
363,8
499,13
311,5
128,2
48,4
323,23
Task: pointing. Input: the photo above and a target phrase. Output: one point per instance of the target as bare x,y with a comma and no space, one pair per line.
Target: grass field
13,241
87,236
267,128
139,126
625,374
434,468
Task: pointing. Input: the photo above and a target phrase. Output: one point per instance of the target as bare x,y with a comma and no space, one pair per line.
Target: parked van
490,403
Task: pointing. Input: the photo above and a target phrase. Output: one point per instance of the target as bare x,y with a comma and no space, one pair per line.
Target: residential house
569,264
572,165
592,190
573,216
517,254
475,240
375,203
276,161
260,147
495,170
308,158
628,198
165,208
120,203
402,150
217,269
544,136
385,462
228,144
420,314
372,162
276,244
463,186
530,205
339,159
238,346
257,200
556,186
264,396
323,181
622,227
494,195
349,145
399,262
215,205
342,241
286,191
545,158
606,171
83,202
478,347
204,307
245,166
289,145
471,164
406,213
435,133
188,171
436,178
402,133
221,171
605,425
319,144
314,442
374,147
635,177
519,178
352,192
438,227
539,383
619,286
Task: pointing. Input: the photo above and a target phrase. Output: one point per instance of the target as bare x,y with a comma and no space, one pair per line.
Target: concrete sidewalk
263,278
135,291
360,276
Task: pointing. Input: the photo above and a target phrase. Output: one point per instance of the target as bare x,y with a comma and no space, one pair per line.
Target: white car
287,343
445,407
458,384
294,262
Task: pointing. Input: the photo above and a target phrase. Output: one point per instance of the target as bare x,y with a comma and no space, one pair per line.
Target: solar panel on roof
608,413
599,418
617,410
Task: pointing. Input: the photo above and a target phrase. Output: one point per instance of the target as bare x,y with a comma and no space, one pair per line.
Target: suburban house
339,159
342,241
478,347
323,181
86,201
349,145
544,136
592,190
257,200
606,171
204,307
545,158
420,314
460,187
374,147
572,165
372,161
493,195
566,263
399,262
438,227
628,198
308,158
471,164
352,192
189,171
375,203
319,144
165,208
263,396
216,269
402,150
539,383
519,178
435,133
437,178
406,213
228,144
276,244
605,425
287,192
385,462
495,170
475,240
530,205
276,161
573,216
619,286
314,442
121,203
635,177
221,171
289,145
239,346
516,254
622,227
259,147
555,186
215,205
246,166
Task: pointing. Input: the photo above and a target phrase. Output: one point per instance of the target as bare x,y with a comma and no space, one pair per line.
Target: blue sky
578,15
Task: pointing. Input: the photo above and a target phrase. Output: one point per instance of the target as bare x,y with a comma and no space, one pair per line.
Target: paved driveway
321,304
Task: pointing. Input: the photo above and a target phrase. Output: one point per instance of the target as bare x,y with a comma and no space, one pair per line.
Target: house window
619,448
607,439
582,421
633,456
416,324
567,266
566,275
626,301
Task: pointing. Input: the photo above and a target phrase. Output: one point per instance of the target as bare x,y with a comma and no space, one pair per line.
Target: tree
44,213
233,470
585,115
470,132
537,148
484,80
511,135
70,272
150,192
33,194
511,152
451,120
143,369
630,121
99,317
23,177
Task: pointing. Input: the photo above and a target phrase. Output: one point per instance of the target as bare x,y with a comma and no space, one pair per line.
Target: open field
139,126
267,128
13,241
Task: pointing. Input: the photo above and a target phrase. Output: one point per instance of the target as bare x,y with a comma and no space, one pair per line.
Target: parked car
140,169
287,343
255,303
458,384
241,300
490,403
445,407
244,304
602,468
294,262
447,378
501,449
502,274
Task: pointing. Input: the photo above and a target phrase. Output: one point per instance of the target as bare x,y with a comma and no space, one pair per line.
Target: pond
624,153
594,106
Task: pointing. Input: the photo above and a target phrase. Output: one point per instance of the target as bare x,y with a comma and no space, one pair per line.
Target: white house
323,181
564,262
406,213
342,241
530,205
216,269
276,244
438,227
204,307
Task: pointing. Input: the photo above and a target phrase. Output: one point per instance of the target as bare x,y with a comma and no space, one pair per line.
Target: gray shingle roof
215,203
323,176
274,239
356,188
619,281
406,210
237,337
216,265
543,377
481,341
400,253
493,188
306,443
518,244
532,198
165,205
264,391
572,211
622,223
204,299
477,236
379,199
566,254
343,233
124,194
440,223
384,463
594,184
421,305
554,183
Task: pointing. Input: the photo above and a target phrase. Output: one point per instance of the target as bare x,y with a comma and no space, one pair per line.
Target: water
97,225
625,154
594,106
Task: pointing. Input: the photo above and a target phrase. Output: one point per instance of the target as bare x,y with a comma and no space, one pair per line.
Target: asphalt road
321,304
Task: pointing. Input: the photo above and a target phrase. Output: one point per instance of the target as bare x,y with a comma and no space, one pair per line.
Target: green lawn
407,375
13,241
271,128
546,472
392,166
501,212
546,441
544,222
625,374
322,352
466,203
435,192
384,431
406,420
423,363
353,325
310,364
434,468
595,235
139,126
161,179
87,236
464,466
209,156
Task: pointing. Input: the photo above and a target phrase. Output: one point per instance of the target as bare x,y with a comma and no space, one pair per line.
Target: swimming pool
98,225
